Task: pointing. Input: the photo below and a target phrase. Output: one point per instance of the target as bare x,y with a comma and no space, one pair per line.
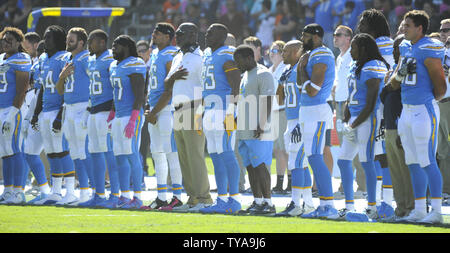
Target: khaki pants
191,153
443,149
401,178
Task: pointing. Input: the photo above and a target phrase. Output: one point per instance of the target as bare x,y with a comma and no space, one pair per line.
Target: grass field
44,219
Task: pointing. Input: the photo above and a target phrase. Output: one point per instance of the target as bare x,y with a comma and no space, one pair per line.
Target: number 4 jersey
51,67
8,68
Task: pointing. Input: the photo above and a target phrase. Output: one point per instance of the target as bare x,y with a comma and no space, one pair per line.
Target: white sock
44,188
175,169
420,205
268,201
328,203
57,184
8,189
307,196
70,185
236,197
350,207
162,196
259,201
84,192
126,194
223,198
378,191
161,167
138,195
388,194
18,189
436,204
296,195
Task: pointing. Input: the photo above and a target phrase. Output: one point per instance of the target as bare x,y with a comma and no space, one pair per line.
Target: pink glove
129,129
111,116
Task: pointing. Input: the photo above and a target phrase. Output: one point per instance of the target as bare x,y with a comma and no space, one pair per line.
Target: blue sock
18,171
322,176
387,180
371,181
8,176
55,167
176,189
308,179
345,166
83,179
136,172
98,160
298,178
435,180
220,173
419,180
233,171
67,165
89,165
37,167
26,170
378,170
124,172
113,172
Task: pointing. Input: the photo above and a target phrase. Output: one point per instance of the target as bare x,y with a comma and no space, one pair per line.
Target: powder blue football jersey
101,89
76,86
158,73
8,67
292,94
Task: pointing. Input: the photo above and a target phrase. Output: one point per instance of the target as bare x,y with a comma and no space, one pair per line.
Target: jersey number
352,83
117,82
96,86
153,77
69,84
3,83
411,79
210,82
291,96
49,82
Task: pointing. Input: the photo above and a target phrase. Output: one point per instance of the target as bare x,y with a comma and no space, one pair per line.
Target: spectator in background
435,35
432,11
324,18
266,24
255,44
12,15
171,6
286,29
234,20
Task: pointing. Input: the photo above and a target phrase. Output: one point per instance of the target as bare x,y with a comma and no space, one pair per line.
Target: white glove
349,132
8,123
25,125
84,121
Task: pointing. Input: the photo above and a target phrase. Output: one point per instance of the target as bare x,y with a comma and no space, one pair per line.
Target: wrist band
316,87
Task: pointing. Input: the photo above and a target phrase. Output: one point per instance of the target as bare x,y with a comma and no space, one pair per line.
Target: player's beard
308,45
71,48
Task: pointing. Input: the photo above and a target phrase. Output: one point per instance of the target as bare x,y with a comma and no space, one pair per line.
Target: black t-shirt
392,107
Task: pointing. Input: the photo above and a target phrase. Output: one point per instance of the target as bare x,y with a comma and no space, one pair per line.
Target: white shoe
84,198
359,195
296,211
196,208
433,218
308,209
69,199
371,213
414,217
340,215
5,196
16,198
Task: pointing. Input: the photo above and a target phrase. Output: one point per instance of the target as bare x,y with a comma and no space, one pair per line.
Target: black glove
34,122
296,136
408,66
381,131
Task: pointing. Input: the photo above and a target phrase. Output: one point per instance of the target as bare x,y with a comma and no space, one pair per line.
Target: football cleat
51,200
218,207
277,190
122,201
433,217
413,217
286,211
341,215
5,196
37,199
17,198
135,203
89,203
369,215
326,212
69,199
233,206
307,208
196,208
155,205
174,203
264,209
385,212
312,214
251,207
112,202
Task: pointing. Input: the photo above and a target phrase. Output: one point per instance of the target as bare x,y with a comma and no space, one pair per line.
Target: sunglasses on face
444,30
339,35
275,51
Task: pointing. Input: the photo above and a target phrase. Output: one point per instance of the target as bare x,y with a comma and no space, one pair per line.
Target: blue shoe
233,206
313,214
361,217
112,202
385,212
51,199
327,211
89,203
122,201
38,198
219,207
133,204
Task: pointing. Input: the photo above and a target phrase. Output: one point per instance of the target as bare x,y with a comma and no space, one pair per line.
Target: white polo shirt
447,62
191,88
276,75
343,63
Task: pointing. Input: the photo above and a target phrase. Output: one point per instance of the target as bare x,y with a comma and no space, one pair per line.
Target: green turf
28,219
